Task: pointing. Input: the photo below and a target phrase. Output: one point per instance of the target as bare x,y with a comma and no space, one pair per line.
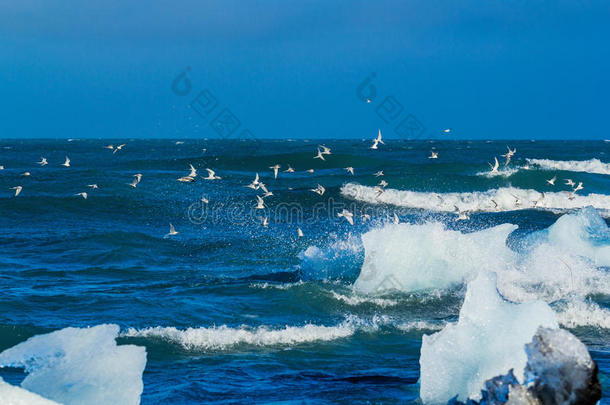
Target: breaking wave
225,337
588,166
495,200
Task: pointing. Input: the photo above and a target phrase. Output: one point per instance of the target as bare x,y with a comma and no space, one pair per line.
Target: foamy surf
225,337
495,200
588,166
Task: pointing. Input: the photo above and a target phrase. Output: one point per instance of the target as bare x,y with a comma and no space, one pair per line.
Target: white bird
349,217
446,131
136,179
93,186
212,175
265,222
109,147
263,187
570,183
379,190
433,155
289,170
379,173
26,174
494,167
552,181
383,183
204,200
172,231
186,179
578,187
462,215
509,155
325,149
396,220
350,170
377,141
275,169
179,142
1,167
193,172
319,190
17,190
309,171
539,199
299,232
366,217
319,155
255,183
118,148
260,204
84,195
66,163
43,161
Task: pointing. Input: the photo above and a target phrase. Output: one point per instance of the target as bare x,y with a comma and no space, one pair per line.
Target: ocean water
232,311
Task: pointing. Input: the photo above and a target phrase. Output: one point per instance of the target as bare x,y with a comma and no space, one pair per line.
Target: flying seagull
275,169
349,217
172,231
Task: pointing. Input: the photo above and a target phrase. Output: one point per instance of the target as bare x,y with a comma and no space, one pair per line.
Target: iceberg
559,370
416,257
11,395
80,366
487,341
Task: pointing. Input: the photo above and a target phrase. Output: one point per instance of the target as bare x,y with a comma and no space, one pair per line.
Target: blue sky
284,69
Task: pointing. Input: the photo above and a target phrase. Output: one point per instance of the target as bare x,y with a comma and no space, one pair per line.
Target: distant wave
587,166
495,200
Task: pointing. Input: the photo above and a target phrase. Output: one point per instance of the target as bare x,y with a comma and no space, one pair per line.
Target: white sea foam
355,300
224,337
583,313
495,200
12,395
80,366
487,340
283,286
410,326
588,166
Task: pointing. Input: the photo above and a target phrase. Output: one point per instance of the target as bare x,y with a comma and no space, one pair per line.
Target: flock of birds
322,151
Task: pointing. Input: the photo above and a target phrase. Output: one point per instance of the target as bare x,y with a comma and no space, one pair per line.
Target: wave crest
495,200
588,166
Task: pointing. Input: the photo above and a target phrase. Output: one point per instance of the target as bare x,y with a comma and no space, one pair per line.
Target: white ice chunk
415,257
11,395
80,366
488,340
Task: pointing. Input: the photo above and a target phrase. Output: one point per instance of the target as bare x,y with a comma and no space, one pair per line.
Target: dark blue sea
232,311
